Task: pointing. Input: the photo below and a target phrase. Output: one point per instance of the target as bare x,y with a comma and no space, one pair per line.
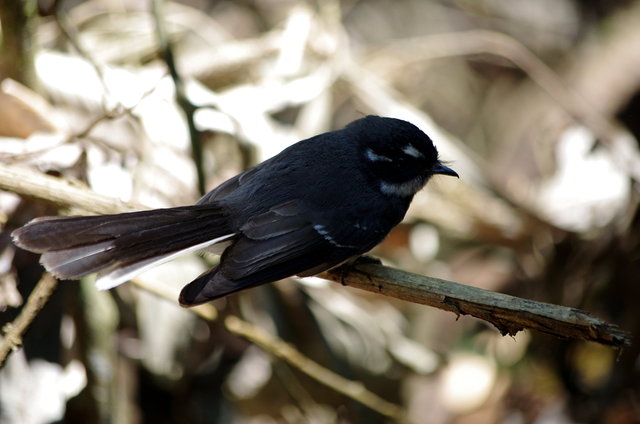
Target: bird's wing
229,186
274,245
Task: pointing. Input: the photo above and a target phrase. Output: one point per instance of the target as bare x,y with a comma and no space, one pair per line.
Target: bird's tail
123,245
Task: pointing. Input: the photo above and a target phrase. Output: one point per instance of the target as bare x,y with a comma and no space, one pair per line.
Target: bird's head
398,154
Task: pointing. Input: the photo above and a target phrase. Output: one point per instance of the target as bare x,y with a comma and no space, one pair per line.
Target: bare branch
12,332
26,182
166,50
509,314
353,389
71,35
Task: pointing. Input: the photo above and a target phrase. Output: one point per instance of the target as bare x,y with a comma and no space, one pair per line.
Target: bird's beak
441,169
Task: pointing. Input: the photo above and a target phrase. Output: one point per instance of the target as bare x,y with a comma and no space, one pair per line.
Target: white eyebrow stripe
412,151
374,157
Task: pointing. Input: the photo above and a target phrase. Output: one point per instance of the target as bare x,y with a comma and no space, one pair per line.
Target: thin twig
183,101
71,35
353,389
285,351
14,331
207,311
110,115
280,349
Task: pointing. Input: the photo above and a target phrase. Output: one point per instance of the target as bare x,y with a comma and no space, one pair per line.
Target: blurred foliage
546,207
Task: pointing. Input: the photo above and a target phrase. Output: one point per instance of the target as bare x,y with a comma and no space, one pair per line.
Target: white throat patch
406,189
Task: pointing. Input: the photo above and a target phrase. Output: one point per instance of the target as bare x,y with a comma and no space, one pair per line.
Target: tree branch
353,389
25,182
11,339
285,351
509,314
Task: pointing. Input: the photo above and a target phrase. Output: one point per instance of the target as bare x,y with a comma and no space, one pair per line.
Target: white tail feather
121,275
56,259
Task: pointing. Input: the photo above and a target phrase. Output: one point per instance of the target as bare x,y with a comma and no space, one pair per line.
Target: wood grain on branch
509,314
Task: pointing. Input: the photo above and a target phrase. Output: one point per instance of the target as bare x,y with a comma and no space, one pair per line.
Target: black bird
315,205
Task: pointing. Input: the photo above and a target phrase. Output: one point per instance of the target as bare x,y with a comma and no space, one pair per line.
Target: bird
318,204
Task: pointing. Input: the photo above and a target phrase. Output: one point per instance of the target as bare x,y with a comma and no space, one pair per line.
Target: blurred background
536,104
